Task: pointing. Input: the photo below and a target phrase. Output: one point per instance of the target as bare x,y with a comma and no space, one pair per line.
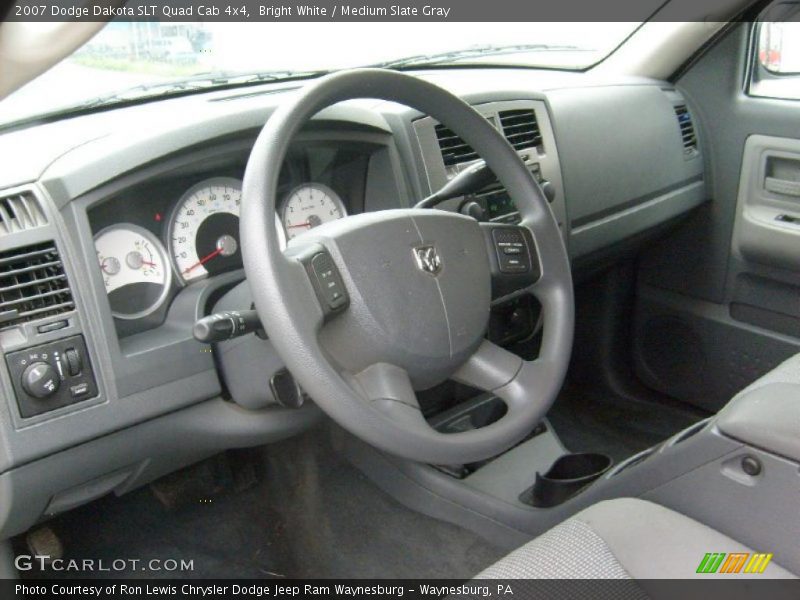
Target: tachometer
309,206
135,270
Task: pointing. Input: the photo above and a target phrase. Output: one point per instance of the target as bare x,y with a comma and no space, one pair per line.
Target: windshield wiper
199,82
451,56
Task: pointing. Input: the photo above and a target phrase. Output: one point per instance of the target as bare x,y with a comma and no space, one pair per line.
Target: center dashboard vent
454,150
33,284
19,212
519,126
688,136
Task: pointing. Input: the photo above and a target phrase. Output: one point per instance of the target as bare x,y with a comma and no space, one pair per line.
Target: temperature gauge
134,268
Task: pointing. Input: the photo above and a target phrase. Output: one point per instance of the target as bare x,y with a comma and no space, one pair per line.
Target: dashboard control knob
74,362
40,380
549,191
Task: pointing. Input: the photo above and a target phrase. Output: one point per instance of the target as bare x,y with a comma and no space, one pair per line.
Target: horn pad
420,291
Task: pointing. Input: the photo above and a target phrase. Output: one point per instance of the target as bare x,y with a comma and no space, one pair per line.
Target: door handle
784,187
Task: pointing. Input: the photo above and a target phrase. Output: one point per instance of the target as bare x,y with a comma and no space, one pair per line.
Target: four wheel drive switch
328,282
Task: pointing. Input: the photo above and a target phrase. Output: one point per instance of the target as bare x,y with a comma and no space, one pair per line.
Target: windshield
126,61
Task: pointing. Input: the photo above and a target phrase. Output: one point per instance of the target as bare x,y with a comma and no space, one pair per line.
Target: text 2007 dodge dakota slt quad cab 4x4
401,300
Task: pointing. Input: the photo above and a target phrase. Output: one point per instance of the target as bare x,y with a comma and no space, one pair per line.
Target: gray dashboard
612,151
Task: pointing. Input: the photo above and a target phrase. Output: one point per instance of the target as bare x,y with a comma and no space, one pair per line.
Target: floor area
309,514
297,509
592,421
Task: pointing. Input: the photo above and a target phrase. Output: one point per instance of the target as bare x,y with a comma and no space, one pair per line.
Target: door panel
718,300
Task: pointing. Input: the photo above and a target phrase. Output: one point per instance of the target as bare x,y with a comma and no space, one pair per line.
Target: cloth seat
624,538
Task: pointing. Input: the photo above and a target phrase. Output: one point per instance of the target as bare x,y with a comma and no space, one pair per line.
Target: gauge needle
204,260
149,264
306,224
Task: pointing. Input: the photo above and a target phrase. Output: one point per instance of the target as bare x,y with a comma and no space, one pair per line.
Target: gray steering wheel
367,309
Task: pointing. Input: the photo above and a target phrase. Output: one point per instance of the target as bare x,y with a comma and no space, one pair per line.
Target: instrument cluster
156,239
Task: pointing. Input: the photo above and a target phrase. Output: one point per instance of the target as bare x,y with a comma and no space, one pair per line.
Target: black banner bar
377,10
731,588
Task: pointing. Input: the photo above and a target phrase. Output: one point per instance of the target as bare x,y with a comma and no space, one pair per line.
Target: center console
736,472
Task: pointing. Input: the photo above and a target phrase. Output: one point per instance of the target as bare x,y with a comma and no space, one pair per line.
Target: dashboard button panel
51,376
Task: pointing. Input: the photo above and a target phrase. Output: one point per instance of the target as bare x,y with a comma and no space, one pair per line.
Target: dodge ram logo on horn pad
428,259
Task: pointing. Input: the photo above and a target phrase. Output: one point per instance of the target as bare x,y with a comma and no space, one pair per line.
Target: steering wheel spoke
516,381
489,368
388,388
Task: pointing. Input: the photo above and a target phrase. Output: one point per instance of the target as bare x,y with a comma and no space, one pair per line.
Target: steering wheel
367,309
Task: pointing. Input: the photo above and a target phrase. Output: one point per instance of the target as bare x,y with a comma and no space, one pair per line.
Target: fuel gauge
134,268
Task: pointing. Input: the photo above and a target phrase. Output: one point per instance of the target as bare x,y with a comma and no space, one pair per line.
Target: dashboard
119,229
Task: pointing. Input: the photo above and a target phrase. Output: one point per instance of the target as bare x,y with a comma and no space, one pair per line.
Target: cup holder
565,478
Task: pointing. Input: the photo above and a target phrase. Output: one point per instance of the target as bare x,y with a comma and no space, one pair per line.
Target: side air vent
454,150
33,284
687,129
521,128
19,212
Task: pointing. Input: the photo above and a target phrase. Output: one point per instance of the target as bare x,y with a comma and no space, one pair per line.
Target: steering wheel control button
512,256
40,380
51,376
328,281
512,251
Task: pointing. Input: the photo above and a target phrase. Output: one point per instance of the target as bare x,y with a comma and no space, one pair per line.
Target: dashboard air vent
19,212
454,149
687,129
521,128
33,284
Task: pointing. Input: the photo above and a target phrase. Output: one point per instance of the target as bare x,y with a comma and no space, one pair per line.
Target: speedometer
309,206
203,232
204,229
